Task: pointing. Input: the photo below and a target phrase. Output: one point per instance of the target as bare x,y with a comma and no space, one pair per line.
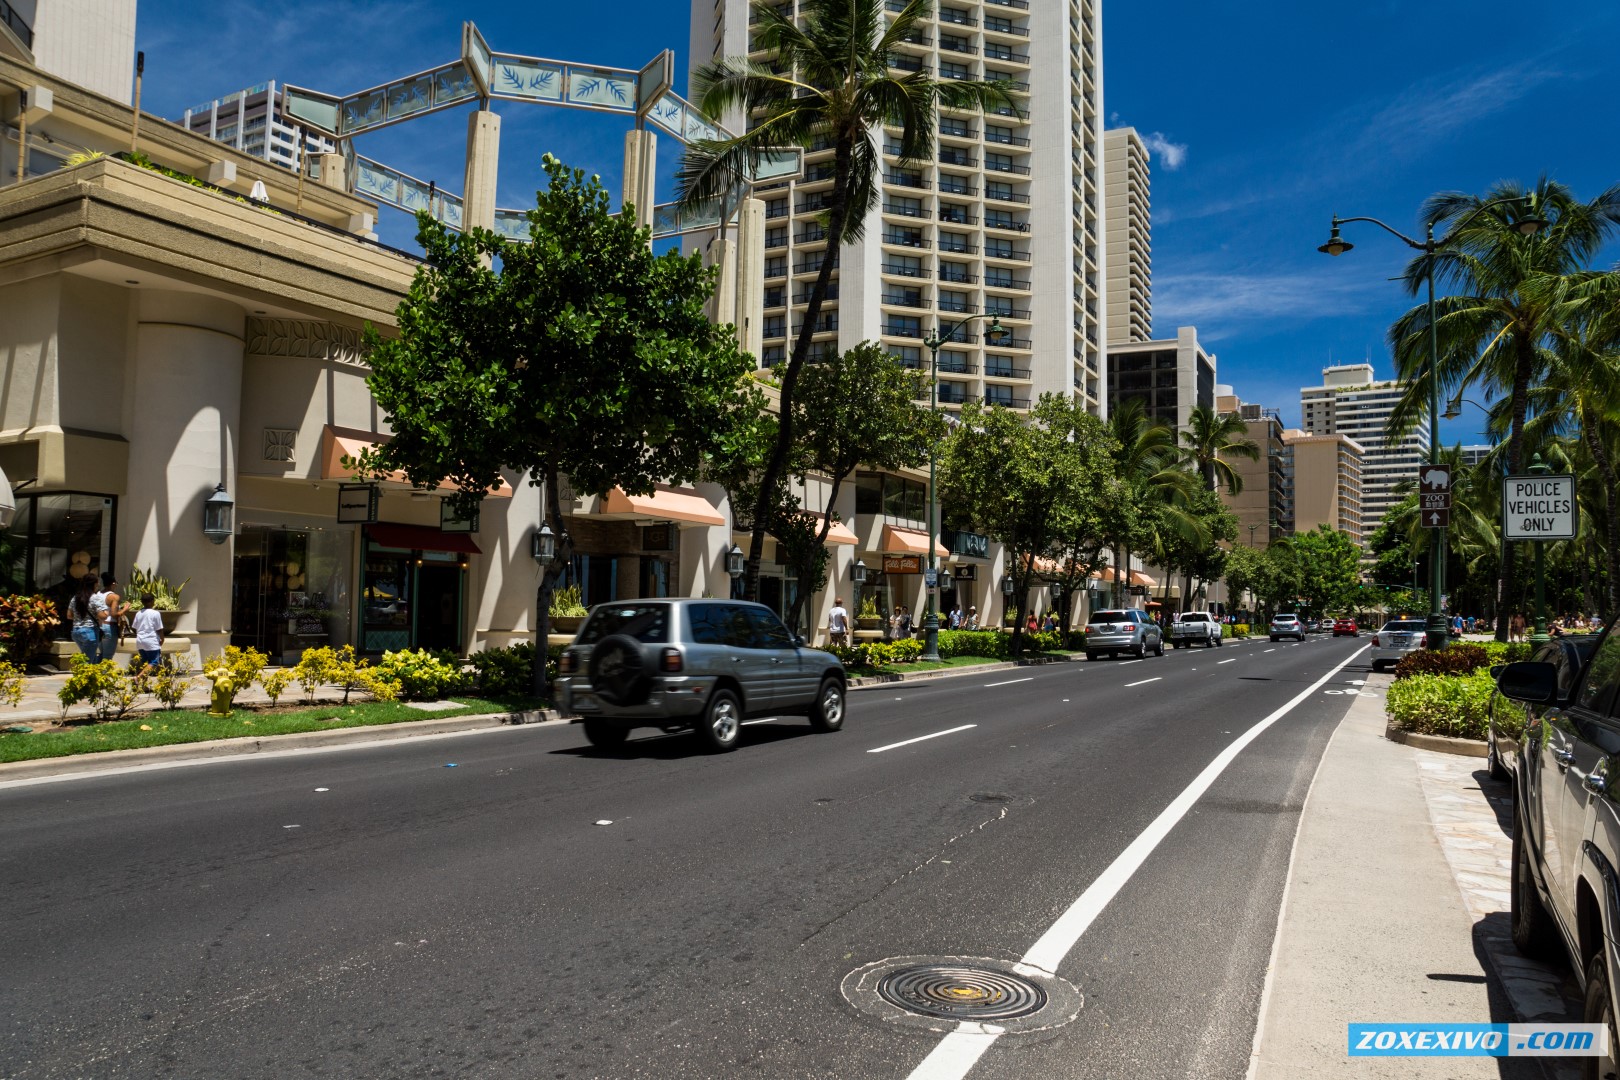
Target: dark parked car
1507,719
704,665
1566,839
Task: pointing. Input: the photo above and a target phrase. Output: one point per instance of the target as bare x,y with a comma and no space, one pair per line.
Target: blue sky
1264,118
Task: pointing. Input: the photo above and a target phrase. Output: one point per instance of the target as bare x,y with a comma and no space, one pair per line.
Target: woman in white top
86,615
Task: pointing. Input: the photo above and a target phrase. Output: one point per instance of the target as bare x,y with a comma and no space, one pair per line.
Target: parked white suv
1287,626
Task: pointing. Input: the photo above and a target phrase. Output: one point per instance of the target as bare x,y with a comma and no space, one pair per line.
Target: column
640,174
750,277
183,440
483,162
722,254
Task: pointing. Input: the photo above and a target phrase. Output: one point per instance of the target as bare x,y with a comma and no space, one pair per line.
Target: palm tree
1492,332
1208,437
829,85
1148,465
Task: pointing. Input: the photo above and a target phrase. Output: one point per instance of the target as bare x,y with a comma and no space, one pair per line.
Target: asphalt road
377,913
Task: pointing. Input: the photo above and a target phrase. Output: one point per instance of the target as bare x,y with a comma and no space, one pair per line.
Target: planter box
871,623
566,624
171,619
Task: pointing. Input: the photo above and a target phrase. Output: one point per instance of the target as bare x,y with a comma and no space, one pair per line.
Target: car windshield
1111,616
1404,626
647,623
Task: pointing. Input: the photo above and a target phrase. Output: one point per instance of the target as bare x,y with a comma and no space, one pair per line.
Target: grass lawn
918,665
171,726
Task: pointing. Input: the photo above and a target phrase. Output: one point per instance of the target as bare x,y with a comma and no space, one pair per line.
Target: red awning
413,537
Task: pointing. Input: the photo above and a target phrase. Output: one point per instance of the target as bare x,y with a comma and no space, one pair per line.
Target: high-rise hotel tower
1008,218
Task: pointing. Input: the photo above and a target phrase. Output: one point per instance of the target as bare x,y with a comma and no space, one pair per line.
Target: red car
1342,627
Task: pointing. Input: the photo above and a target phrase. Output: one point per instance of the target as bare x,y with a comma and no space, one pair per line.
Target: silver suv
1287,626
1128,630
704,665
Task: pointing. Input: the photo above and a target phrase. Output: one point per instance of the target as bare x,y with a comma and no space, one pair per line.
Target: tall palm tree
1209,436
829,85
1491,332
1148,465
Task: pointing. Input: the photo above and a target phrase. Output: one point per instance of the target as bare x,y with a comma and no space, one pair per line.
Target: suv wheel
1158,650
721,722
1493,758
1533,931
1600,1010
1141,648
827,714
605,735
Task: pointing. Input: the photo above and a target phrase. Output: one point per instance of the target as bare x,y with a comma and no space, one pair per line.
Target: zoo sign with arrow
1434,496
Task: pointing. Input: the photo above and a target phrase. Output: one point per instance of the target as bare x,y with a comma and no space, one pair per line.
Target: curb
245,747
1443,744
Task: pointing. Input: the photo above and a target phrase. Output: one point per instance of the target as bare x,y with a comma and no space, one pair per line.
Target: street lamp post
1252,528
934,341
1436,630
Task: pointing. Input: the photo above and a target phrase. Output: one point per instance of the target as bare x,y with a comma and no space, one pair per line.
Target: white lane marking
1009,682
1122,663
1144,682
957,1052
1231,661
921,738
1271,650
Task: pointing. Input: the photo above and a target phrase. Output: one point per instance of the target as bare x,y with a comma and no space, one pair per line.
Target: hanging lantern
217,513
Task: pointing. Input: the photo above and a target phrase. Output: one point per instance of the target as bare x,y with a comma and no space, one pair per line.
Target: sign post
1539,507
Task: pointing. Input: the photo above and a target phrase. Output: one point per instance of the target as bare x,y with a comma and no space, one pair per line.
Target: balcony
1007,341
811,266
958,307
957,45
824,325
1008,222
956,275
955,185
1021,5
999,281
907,63
993,51
912,180
952,393
776,210
995,25
907,211
954,130
905,239
1005,140
953,246
14,21
1006,167
957,158
1007,312
905,330
901,270
905,300
810,206
809,236
1004,371
1007,401
803,295
956,364
1006,253
955,17
1007,196
953,216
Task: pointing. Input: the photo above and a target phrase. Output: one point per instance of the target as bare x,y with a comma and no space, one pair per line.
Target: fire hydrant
219,699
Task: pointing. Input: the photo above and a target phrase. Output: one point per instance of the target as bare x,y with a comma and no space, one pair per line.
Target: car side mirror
1530,682
1496,670
798,642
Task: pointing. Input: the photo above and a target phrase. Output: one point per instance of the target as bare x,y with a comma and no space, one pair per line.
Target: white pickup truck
1195,628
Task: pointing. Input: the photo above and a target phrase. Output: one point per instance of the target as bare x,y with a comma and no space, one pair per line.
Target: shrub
879,653
988,643
110,690
1458,706
349,673
11,684
568,603
504,672
165,597
1043,641
172,681
1238,630
416,676
1453,660
275,683
314,669
27,624
242,666
1506,652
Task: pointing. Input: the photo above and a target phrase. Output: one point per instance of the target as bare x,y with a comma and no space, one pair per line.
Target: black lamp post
934,341
217,512
1527,224
857,575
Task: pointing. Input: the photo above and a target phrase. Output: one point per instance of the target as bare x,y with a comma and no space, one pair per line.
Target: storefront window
413,599
291,590
389,594
54,541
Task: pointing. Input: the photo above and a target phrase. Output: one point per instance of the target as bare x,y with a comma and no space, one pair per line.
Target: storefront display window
291,590
413,597
54,541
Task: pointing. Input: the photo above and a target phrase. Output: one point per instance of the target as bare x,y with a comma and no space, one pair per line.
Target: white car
1395,639
1287,626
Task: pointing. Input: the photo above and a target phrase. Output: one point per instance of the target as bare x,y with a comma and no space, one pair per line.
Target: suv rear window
1111,616
1285,618
647,623
1407,626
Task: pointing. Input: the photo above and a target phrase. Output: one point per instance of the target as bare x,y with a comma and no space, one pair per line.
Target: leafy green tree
578,353
1024,481
1157,490
1244,569
1210,440
858,408
1327,568
831,82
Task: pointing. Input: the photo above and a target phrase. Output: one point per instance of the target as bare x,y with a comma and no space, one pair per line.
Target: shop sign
965,573
658,537
902,564
450,523
357,504
973,545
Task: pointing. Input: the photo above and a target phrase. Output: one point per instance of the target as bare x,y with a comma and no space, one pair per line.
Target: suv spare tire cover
619,673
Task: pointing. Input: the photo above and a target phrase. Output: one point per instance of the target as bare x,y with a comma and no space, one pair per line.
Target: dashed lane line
921,738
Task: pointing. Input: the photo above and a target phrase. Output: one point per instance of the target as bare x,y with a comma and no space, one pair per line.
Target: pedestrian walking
956,617
1030,625
972,618
1516,627
148,627
838,624
904,627
85,614
112,627
1049,624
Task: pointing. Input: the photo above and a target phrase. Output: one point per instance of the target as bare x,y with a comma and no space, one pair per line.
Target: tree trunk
837,215
806,569
1523,370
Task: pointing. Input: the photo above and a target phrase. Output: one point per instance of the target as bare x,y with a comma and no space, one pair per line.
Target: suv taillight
1375,641
567,663
670,660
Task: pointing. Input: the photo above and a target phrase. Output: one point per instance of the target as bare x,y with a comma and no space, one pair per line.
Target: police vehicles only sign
1538,507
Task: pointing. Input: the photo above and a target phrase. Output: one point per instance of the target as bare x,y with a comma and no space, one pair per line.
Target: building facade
1128,201
251,121
1170,377
1264,506
1351,402
1005,220
1327,473
90,43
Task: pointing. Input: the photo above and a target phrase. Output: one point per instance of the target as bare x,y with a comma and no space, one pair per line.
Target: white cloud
1171,155
1218,303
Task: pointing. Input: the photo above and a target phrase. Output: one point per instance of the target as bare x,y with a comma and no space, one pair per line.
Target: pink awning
687,506
339,443
898,541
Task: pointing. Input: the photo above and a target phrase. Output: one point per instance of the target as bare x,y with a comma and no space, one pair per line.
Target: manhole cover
961,993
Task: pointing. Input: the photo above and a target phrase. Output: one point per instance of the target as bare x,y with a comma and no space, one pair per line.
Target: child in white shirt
148,625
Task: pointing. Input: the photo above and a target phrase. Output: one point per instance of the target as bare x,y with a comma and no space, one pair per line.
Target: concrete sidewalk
1395,911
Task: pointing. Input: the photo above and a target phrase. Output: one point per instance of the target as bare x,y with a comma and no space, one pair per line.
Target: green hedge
1452,660
1455,705
988,643
879,653
1238,630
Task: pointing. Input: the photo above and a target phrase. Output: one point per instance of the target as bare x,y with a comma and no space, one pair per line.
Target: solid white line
1144,682
1271,650
921,738
1122,663
1009,682
1231,661
953,1061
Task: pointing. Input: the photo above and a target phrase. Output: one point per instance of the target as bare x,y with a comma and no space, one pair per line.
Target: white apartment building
1128,201
1007,219
1350,402
250,120
90,43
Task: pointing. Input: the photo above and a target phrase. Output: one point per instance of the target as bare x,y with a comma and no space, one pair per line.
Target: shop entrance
438,608
414,588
